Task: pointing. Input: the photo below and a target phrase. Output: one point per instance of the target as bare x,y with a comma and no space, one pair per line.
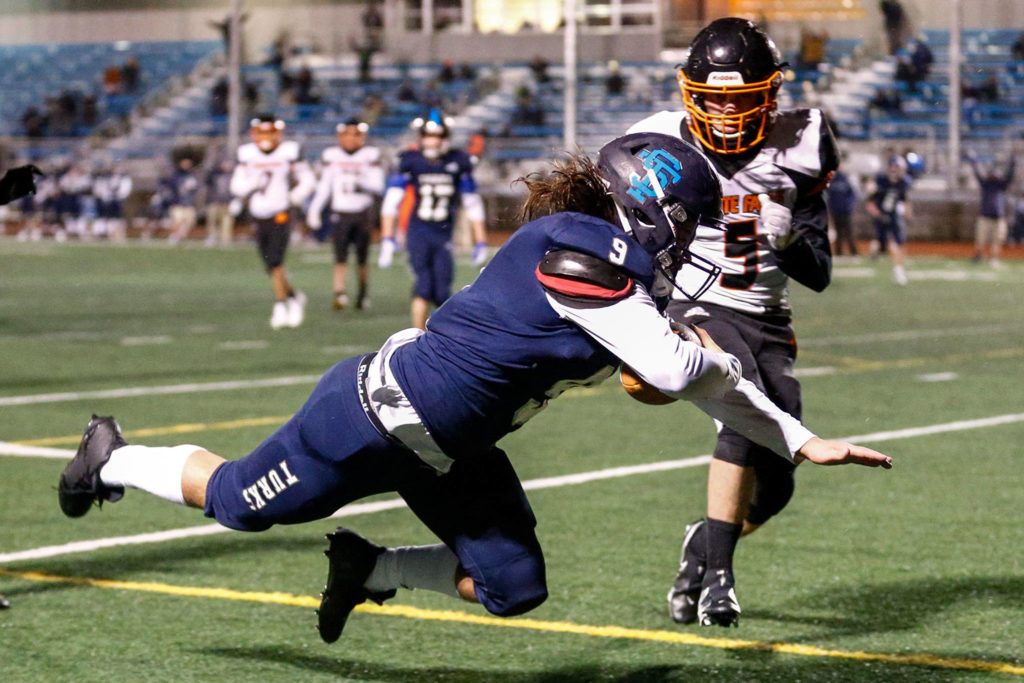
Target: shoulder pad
581,276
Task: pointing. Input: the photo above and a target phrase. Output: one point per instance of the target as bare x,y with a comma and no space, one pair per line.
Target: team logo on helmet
665,168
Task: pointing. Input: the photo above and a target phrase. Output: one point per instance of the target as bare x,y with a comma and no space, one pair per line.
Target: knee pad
772,491
517,588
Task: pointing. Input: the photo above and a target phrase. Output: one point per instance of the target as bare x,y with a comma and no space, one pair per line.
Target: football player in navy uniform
440,180
773,166
351,179
889,209
562,304
270,178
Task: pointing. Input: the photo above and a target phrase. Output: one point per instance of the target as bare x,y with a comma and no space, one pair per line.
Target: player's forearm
749,412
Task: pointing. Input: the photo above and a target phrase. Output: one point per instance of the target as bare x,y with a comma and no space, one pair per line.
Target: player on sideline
352,177
773,166
889,208
269,179
563,303
440,179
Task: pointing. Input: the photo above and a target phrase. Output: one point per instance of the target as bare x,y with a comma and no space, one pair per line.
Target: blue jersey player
890,208
562,304
439,181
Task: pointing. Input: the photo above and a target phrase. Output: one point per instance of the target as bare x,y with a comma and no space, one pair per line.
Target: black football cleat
718,605
684,593
80,484
351,560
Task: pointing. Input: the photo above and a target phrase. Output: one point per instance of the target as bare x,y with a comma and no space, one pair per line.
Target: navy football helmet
734,59
434,125
663,188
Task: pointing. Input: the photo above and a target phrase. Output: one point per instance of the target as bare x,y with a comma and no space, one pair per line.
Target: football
641,390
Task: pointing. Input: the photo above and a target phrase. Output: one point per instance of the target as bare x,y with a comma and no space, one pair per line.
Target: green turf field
916,574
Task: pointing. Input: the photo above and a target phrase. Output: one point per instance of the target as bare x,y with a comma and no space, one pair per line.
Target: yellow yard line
618,632
187,428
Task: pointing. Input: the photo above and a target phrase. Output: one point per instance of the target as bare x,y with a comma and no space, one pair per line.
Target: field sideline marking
452,616
530,485
127,392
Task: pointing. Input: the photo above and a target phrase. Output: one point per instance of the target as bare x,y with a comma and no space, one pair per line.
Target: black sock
699,543
722,538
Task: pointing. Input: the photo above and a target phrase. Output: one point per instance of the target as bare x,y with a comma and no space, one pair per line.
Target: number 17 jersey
436,186
795,162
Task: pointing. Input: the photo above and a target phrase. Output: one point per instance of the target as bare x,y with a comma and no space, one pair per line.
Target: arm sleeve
808,260
323,191
753,415
241,181
473,204
392,200
633,330
373,179
305,182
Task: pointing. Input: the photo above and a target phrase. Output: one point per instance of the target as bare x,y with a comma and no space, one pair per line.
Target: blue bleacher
36,72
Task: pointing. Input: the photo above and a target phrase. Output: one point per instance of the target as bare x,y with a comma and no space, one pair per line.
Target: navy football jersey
437,185
496,352
890,197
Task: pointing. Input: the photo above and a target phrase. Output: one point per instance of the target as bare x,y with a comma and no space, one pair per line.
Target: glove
313,220
18,182
479,253
387,252
778,223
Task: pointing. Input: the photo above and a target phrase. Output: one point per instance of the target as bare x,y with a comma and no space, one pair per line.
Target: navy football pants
432,261
328,454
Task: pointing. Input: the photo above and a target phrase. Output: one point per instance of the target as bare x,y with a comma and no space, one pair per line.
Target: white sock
430,567
156,470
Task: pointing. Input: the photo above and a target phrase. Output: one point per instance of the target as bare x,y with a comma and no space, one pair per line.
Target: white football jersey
271,182
751,280
350,180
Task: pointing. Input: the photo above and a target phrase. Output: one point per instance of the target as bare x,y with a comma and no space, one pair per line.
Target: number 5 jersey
792,166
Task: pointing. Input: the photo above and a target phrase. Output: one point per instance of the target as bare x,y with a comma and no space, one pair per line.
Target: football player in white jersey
269,179
773,166
352,177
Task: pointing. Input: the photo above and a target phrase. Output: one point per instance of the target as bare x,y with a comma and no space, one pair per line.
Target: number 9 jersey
436,187
792,166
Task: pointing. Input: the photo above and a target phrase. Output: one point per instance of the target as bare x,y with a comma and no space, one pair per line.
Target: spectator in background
1017,50
183,186
220,224
447,72
405,92
1016,236
890,208
896,24
985,91
841,197
111,188
112,80
34,123
373,109
528,111
130,75
615,83
539,67
991,227
914,67
302,87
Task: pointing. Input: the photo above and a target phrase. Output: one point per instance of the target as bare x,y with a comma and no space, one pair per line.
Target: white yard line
127,392
531,485
152,391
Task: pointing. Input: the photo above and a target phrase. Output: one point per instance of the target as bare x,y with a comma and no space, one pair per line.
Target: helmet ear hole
642,218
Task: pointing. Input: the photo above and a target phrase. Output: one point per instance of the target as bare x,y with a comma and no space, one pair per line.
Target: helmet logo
725,78
663,165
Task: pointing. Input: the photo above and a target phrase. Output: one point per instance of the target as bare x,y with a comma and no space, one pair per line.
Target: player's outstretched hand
824,452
